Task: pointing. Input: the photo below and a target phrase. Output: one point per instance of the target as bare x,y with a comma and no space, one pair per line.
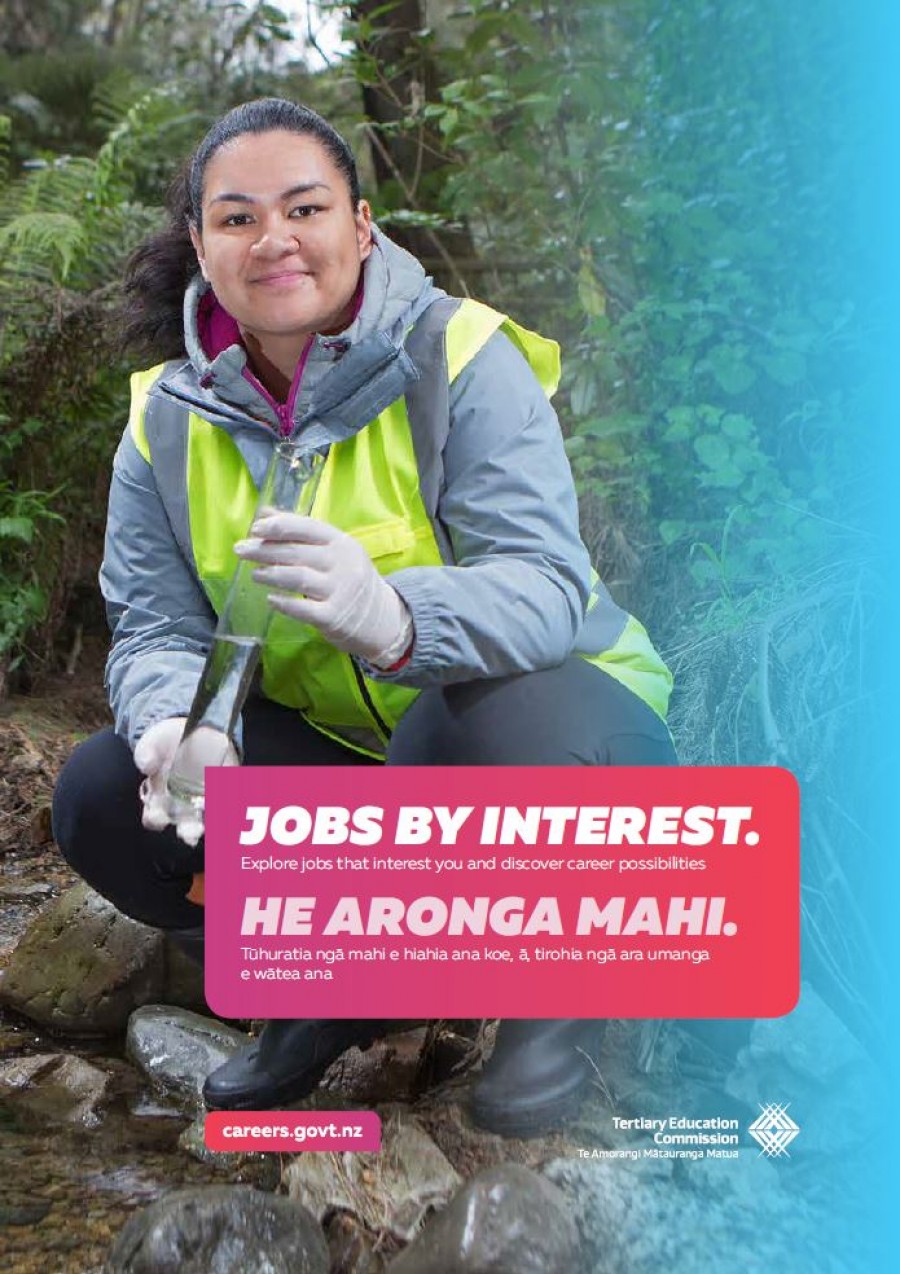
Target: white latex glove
153,756
342,593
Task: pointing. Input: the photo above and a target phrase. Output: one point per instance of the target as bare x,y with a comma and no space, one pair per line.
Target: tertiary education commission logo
681,1137
774,1129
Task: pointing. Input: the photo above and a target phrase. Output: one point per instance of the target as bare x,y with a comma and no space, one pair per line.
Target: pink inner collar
218,329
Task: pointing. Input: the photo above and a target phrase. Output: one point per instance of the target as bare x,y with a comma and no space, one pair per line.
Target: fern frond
155,127
114,96
30,239
57,185
114,233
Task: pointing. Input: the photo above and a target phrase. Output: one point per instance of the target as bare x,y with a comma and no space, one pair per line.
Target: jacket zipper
380,722
284,411
285,414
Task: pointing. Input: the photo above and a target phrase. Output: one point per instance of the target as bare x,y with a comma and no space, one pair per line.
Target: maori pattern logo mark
774,1130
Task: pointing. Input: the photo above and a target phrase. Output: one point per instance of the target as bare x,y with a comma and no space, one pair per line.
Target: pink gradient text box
647,911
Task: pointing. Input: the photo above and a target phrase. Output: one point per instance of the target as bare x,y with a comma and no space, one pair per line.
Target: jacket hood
395,291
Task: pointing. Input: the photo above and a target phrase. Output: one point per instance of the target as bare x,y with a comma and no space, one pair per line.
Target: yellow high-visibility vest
368,487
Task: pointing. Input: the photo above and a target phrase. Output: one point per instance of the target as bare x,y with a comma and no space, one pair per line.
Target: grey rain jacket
506,509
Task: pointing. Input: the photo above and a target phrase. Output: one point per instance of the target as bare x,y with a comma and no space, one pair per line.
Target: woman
439,608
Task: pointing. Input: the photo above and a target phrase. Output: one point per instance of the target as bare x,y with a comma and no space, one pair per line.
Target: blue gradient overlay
847,58
876,238
815,88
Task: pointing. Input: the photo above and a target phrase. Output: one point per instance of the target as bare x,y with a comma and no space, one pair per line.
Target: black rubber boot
537,1075
189,941
285,1063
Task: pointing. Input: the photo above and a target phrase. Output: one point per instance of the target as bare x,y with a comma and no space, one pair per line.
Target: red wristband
401,662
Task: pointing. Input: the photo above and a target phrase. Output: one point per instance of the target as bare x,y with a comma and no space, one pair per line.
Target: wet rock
746,1180
353,1248
27,1214
632,1225
507,1218
392,1190
82,967
192,1141
24,892
220,1230
812,1043
266,1166
177,1049
324,1183
182,978
812,1063
18,1036
56,1087
385,1072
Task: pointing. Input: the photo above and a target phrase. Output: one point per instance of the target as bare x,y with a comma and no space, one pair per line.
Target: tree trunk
114,21
20,28
409,158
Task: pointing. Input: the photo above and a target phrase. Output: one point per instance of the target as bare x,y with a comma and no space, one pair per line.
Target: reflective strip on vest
370,488
472,327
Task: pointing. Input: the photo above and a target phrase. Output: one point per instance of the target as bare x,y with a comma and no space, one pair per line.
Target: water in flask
223,687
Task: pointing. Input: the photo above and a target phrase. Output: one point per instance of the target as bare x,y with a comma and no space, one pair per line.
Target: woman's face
281,243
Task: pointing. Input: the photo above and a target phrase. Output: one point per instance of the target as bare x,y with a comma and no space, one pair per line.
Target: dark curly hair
160,269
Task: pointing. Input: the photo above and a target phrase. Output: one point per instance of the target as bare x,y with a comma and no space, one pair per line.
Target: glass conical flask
290,483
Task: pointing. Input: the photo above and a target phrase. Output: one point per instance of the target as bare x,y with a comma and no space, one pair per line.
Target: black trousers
571,715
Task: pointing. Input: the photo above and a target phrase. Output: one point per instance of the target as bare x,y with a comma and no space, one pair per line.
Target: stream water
66,1190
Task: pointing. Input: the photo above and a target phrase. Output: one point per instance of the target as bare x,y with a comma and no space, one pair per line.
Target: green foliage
48,96
629,184
51,238
99,103
667,183
656,193
67,224
148,130
23,599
